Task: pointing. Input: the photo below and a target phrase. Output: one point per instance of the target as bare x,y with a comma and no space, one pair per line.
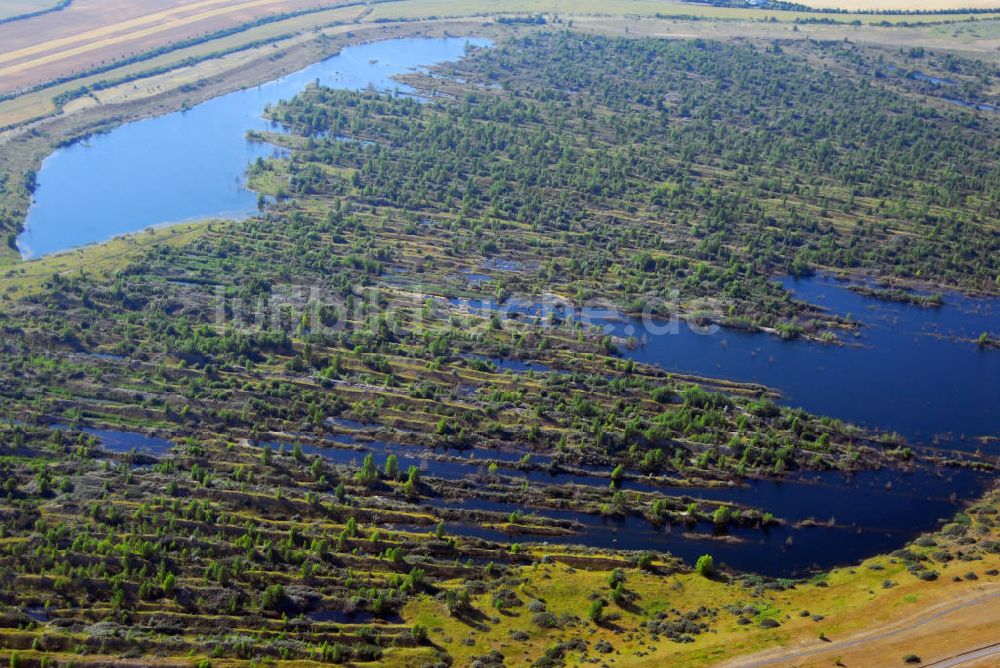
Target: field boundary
782,5
58,7
824,15
177,46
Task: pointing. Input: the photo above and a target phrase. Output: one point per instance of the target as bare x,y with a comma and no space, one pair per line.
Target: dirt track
989,653
959,631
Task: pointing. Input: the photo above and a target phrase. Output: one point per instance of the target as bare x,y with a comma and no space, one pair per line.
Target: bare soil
91,33
962,622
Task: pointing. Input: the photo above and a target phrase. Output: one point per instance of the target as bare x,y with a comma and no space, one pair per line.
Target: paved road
775,658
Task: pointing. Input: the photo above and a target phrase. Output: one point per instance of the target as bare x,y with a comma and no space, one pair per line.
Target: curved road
924,617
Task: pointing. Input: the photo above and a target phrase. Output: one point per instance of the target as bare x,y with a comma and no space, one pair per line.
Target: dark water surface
911,369
846,518
191,164
125,441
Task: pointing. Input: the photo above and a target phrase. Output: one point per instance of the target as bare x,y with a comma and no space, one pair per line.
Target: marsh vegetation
318,435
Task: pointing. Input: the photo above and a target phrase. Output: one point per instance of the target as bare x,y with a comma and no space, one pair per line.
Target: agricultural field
91,33
13,9
900,5
75,101
174,69
412,411
648,8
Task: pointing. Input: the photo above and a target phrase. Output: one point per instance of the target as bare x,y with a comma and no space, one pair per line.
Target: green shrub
705,566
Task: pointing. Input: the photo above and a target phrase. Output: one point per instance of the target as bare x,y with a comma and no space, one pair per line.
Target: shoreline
29,145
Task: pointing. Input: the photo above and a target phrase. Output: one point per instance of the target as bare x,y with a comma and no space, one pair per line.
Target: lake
853,516
191,164
910,369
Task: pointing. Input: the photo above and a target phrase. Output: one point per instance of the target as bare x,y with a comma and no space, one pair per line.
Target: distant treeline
536,20
798,7
54,8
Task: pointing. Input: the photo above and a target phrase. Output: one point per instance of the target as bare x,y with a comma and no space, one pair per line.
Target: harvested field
646,8
971,40
91,33
902,5
40,103
13,8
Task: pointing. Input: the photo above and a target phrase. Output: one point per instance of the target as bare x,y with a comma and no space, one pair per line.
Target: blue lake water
856,516
126,441
911,370
864,518
191,164
937,81
981,106
905,372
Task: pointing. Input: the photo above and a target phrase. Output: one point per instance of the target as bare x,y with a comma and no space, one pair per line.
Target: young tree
596,612
705,566
392,467
368,472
